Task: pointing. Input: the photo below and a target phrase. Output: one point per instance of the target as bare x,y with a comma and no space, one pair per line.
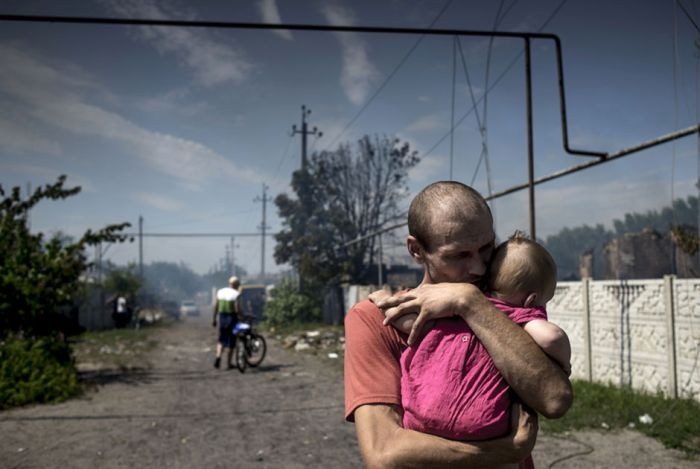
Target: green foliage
286,306
38,371
675,422
122,281
343,195
40,280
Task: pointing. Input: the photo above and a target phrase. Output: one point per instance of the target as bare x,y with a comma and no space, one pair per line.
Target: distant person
227,305
121,313
450,386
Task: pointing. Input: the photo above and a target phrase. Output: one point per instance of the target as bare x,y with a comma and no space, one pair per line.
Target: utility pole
304,194
140,246
232,258
263,226
304,132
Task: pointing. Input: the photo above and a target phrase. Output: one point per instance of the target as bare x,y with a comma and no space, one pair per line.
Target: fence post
669,309
585,292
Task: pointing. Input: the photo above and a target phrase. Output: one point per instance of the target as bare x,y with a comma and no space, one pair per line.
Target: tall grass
674,422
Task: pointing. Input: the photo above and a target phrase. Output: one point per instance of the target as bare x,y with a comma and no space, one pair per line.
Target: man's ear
530,300
415,249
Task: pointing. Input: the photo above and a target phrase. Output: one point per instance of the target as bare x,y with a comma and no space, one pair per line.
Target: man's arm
372,400
385,444
540,383
553,340
215,311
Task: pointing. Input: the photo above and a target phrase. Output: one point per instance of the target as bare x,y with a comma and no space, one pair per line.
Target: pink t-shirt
451,388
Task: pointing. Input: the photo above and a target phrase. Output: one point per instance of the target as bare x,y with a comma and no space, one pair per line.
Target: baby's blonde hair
520,267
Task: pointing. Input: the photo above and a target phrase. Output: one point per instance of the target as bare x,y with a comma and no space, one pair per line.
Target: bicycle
250,345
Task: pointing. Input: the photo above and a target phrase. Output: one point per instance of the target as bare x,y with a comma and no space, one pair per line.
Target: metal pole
530,144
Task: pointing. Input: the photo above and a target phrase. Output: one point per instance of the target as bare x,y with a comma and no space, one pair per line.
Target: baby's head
522,272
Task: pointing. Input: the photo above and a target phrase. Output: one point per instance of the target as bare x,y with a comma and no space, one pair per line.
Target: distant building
646,255
407,276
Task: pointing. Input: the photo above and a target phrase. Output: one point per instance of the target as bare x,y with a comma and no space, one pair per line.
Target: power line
498,80
388,78
690,18
196,235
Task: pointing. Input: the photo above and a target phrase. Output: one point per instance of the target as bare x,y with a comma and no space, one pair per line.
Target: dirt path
288,413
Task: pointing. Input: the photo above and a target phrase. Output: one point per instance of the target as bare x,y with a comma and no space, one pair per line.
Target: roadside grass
674,422
122,349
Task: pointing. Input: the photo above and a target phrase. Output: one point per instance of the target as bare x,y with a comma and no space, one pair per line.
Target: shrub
40,371
286,306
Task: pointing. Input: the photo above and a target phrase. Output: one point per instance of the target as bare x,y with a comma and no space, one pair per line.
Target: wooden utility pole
263,226
304,132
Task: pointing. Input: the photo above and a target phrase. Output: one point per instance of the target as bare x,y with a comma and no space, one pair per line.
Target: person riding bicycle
227,307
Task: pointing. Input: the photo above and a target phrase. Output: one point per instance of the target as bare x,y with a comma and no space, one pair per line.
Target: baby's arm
553,340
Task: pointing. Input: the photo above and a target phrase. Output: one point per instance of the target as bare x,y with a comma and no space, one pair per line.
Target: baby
450,386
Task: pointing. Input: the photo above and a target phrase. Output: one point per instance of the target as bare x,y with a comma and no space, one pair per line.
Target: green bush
40,371
286,306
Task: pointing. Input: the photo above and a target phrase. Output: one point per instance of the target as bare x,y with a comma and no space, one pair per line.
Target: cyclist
226,306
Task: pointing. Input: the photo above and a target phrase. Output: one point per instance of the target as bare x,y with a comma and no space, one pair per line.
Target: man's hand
379,295
429,302
524,426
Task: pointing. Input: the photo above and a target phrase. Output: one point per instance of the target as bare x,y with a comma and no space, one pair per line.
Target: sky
192,128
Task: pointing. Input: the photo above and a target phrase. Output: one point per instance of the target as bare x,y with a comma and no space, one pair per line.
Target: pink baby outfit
451,388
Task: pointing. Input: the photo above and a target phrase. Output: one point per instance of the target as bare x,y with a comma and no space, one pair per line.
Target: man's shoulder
365,310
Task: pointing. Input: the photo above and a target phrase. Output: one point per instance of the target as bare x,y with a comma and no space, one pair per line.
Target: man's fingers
379,295
392,312
392,301
524,420
416,330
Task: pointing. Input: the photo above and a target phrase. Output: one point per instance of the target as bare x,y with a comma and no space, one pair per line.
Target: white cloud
158,201
211,62
359,73
23,139
426,124
48,95
270,14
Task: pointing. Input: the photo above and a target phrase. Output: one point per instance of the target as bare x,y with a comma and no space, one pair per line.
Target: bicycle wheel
256,349
240,352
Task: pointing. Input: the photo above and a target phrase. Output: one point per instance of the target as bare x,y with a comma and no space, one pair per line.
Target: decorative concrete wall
644,334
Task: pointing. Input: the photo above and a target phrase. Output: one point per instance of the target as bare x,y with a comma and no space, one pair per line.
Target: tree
40,279
123,281
342,197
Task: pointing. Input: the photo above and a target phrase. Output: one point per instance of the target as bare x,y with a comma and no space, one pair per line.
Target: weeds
115,348
674,422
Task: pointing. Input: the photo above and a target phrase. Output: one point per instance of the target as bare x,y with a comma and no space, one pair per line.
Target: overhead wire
692,20
495,83
388,78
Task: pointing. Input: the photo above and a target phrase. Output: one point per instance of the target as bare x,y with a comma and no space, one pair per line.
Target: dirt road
288,413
